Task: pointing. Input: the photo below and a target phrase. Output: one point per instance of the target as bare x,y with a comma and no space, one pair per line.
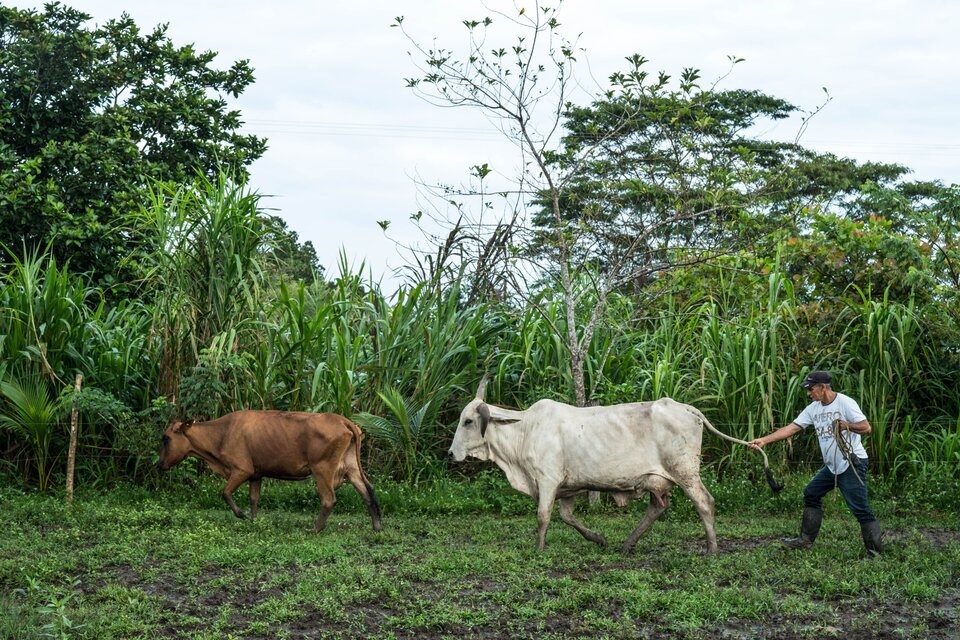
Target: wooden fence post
72,454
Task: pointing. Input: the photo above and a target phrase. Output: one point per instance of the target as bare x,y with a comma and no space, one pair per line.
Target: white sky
347,137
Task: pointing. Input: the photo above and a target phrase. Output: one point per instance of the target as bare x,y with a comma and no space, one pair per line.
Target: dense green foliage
824,263
90,117
405,366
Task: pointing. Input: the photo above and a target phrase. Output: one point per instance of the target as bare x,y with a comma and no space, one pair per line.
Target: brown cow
251,445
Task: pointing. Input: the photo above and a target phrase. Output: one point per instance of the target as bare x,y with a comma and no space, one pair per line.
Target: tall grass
665,357
880,351
749,371
53,326
117,355
205,279
43,315
532,360
406,435
286,358
210,335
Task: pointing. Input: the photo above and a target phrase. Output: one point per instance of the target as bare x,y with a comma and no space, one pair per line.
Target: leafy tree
294,260
89,117
208,271
677,175
671,173
836,256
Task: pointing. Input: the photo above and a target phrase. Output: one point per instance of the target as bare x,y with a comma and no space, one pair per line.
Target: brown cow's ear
484,412
180,427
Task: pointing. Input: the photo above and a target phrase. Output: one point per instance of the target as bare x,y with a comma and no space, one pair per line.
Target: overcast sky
347,138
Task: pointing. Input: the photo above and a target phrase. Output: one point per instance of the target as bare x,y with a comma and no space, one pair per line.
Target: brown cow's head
175,446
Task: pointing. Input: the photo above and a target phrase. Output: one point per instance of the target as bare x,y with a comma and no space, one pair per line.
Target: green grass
458,559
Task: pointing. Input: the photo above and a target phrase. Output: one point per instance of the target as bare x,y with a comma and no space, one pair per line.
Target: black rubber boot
809,528
871,538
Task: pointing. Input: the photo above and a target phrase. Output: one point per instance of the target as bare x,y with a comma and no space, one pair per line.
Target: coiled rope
843,445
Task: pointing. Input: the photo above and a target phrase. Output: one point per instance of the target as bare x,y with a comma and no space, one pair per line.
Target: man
839,424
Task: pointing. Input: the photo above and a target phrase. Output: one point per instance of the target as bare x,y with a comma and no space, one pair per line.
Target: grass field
458,560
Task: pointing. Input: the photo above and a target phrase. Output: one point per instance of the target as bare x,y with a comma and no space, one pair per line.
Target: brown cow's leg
328,498
365,489
566,514
658,504
354,473
325,471
254,497
236,479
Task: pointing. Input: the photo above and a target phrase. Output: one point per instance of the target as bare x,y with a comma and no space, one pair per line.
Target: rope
844,447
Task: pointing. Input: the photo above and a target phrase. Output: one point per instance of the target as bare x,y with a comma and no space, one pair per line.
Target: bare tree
587,242
522,88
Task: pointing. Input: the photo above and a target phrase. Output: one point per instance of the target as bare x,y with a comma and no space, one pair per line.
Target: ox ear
182,426
484,412
481,390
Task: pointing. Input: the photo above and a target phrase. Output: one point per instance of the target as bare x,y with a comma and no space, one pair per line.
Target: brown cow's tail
374,503
775,486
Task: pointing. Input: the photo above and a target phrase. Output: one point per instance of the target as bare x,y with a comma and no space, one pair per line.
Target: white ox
554,451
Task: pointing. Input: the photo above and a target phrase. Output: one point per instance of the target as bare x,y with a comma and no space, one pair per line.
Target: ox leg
566,514
235,479
658,504
254,497
704,503
544,510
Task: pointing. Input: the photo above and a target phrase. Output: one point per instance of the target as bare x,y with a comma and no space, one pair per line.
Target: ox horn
483,387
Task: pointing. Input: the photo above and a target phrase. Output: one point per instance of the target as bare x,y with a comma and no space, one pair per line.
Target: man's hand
843,425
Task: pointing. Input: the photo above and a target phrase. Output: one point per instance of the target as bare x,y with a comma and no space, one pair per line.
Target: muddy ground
852,619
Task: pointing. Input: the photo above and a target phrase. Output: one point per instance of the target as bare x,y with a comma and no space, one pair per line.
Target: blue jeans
853,490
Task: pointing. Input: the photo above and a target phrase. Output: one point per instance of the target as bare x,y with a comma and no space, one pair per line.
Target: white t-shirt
821,417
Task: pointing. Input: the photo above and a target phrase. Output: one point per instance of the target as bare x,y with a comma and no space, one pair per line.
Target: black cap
816,377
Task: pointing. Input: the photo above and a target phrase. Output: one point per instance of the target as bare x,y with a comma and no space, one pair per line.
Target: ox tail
357,441
775,486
